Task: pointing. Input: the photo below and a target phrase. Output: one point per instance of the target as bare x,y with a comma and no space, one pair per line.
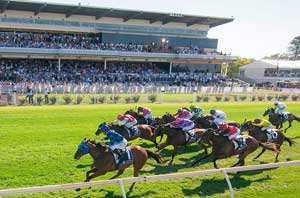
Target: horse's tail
155,156
269,146
297,118
290,141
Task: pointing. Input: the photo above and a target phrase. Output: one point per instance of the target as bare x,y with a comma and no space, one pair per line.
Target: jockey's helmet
192,106
276,103
120,116
256,121
212,111
180,110
223,126
104,127
140,108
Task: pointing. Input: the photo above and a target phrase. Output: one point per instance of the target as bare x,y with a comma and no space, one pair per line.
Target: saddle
272,134
122,156
240,142
133,131
189,136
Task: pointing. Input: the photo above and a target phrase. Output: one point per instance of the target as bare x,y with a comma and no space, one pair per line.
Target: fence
121,182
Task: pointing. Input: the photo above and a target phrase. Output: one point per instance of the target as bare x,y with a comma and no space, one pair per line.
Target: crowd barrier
122,181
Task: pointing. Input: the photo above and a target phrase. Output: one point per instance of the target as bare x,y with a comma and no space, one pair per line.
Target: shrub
260,98
152,98
115,98
67,99
22,100
205,99
93,99
294,97
253,98
127,99
226,98
199,98
101,99
135,98
79,99
236,98
243,98
284,97
218,98
269,98
52,100
39,100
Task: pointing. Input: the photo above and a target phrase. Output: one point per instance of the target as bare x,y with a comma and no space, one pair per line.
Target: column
105,64
59,64
170,68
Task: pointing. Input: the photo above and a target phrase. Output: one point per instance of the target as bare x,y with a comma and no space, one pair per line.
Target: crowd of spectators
295,73
88,72
85,41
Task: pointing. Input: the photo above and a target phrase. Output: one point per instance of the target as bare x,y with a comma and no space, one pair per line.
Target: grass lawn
37,144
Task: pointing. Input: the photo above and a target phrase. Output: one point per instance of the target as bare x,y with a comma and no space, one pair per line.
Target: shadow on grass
111,194
84,165
210,187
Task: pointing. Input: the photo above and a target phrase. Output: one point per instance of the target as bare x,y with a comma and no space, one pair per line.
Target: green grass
37,144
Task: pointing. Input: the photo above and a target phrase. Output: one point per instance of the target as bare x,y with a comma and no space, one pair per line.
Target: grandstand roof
268,63
99,12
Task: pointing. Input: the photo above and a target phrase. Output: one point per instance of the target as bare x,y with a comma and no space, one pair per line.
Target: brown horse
144,132
176,137
276,120
261,136
104,160
140,119
207,122
223,148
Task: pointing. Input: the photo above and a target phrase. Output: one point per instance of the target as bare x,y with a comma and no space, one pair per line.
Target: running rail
122,181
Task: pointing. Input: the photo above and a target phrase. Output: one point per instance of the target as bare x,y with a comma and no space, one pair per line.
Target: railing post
122,188
229,183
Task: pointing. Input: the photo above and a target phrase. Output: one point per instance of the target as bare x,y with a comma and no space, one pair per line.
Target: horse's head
207,136
82,149
99,128
167,118
132,113
246,125
268,111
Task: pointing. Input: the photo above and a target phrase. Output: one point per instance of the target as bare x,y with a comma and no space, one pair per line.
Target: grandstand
271,71
59,43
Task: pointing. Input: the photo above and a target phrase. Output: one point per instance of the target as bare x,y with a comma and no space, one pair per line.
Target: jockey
231,131
182,113
146,113
279,108
117,143
220,116
265,125
183,124
197,111
126,120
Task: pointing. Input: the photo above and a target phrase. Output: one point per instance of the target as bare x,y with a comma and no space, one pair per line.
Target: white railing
122,181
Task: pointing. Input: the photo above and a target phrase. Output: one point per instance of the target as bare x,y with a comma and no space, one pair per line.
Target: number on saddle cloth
240,143
122,157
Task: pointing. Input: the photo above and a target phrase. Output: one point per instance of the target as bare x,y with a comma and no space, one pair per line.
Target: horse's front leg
173,154
162,146
90,171
290,125
96,174
200,159
120,172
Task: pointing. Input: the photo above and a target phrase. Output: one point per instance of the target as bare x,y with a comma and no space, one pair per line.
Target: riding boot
120,158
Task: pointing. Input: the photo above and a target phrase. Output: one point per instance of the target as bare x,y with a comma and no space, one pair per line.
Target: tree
233,68
294,48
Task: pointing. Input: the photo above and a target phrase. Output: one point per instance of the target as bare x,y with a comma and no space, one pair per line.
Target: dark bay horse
104,160
144,131
176,137
206,122
262,136
275,119
223,148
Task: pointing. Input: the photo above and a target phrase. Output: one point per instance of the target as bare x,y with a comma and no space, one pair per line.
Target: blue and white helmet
104,128
276,103
212,111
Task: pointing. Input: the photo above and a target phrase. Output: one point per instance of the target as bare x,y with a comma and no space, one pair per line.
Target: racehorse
206,122
165,119
104,159
176,137
262,136
140,119
223,148
275,119
143,131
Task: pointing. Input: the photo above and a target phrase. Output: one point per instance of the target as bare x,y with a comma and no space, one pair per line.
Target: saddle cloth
272,135
133,131
239,142
189,136
126,157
